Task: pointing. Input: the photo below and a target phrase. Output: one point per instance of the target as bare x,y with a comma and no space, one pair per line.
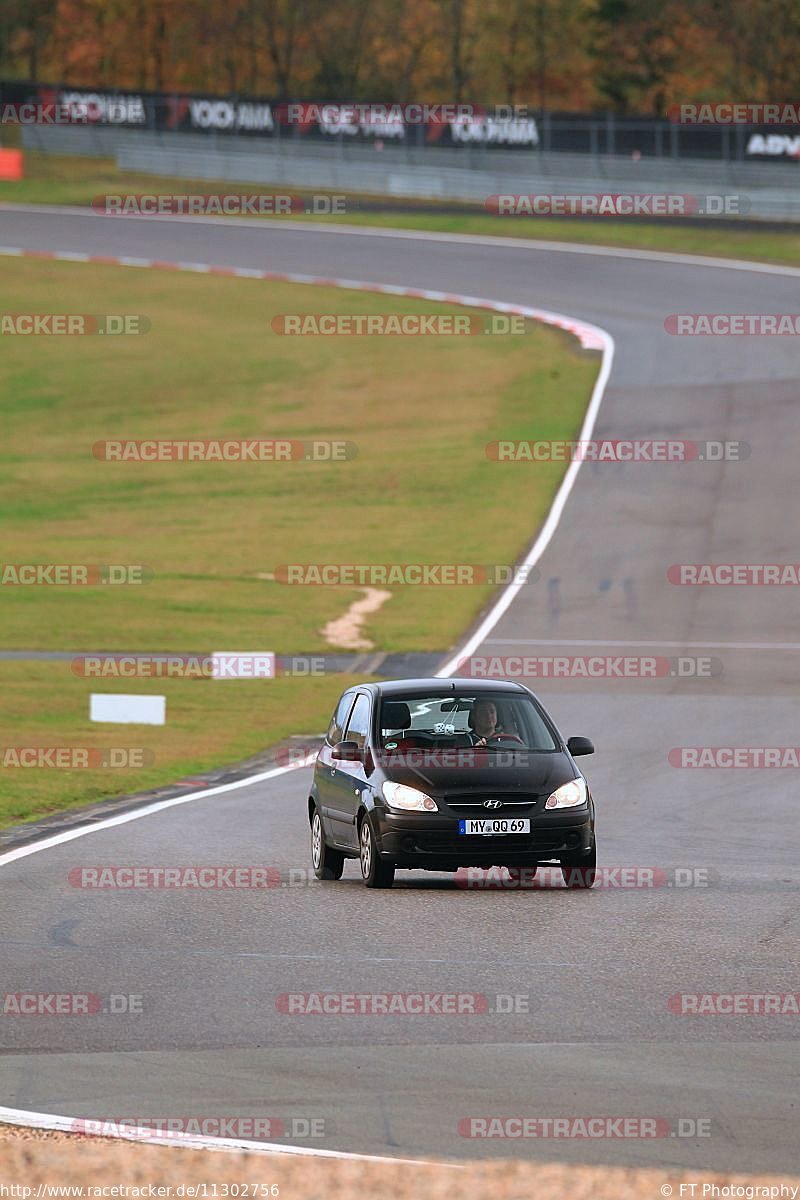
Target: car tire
580,872
376,874
327,863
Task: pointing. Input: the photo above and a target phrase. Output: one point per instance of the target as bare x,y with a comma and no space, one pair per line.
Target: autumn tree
755,48
634,47
633,56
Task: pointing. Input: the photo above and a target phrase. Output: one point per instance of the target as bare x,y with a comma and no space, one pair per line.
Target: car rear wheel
328,864
580,872
376,874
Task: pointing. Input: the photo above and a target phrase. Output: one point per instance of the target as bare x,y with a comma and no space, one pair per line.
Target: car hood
458,771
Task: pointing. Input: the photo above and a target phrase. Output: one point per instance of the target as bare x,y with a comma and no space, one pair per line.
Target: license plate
492,826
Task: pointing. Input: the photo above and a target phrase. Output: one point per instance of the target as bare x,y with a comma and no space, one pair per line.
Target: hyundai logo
492,804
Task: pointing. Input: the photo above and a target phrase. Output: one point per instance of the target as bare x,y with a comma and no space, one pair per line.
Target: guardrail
463,175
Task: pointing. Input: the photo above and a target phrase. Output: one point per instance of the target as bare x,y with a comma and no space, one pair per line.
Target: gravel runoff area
30,1157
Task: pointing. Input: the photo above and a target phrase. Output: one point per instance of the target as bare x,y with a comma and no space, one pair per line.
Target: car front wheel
580,872
376,874
328,864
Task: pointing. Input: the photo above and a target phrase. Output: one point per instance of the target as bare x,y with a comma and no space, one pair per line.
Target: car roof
399,687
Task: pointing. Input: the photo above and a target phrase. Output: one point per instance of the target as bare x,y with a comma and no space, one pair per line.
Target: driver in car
483,722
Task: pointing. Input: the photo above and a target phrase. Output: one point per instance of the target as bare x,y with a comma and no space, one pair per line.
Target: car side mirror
347,752
580,745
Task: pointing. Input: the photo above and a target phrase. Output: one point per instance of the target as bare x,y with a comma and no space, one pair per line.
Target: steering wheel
505,737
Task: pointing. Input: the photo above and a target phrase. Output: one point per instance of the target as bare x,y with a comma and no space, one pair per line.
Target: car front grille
472,804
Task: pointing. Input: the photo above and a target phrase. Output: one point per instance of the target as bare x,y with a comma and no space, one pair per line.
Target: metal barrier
464,175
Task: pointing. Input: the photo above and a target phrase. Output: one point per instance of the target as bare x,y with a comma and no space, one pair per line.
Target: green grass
45,705
421,490
52,179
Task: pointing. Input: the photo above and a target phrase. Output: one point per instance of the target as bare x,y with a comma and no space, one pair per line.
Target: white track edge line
650,645
190,1141
586,334
70,835
544,538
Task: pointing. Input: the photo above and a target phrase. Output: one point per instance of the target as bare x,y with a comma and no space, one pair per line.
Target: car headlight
398,795
569,795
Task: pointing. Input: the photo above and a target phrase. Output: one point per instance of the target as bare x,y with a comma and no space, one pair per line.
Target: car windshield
496,720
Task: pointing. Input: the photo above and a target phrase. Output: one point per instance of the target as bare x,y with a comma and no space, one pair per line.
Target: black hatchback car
437,774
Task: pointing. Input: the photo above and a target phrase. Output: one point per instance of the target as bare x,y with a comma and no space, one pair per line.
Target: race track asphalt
596,970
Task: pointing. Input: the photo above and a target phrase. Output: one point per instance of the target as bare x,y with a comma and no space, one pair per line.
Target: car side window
358,725
339,720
